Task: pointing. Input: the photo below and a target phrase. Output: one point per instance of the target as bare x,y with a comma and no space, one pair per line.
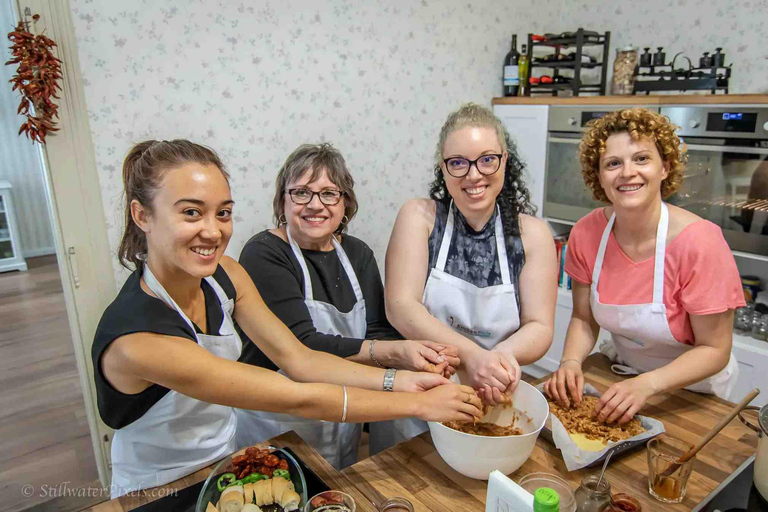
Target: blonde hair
639,123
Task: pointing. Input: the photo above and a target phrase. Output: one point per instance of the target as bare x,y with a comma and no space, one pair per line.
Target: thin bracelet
344,407
370,353
570,359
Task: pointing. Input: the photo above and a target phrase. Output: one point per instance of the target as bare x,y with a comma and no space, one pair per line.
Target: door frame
73,191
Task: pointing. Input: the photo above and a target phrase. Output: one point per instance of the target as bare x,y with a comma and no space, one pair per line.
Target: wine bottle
511,70
523,69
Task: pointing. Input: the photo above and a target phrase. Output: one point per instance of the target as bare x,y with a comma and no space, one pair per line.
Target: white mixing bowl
477,456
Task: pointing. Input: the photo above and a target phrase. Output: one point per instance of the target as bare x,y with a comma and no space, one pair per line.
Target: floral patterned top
472,254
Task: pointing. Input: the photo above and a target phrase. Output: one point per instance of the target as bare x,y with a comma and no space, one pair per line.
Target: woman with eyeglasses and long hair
165,350
471,266
324,284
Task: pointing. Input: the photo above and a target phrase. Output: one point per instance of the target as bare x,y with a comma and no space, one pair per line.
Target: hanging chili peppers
36,80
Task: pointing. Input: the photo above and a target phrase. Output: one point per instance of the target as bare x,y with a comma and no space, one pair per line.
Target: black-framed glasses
328,197
458,167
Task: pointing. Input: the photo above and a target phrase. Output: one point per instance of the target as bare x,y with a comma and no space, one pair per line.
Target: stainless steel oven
726,180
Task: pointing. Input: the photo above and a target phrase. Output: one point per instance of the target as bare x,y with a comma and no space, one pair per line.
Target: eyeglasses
304,196
458,167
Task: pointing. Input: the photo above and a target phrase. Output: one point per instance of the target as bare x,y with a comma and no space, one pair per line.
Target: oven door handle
727,149
563,140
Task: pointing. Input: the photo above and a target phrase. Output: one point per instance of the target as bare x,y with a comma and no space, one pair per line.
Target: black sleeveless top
133,311
472,255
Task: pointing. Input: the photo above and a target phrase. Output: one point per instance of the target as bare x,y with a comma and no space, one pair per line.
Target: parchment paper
576,458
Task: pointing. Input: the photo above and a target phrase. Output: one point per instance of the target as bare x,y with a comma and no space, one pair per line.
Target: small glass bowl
330,501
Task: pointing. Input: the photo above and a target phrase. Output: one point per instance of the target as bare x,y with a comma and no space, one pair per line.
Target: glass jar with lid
623,80
591,497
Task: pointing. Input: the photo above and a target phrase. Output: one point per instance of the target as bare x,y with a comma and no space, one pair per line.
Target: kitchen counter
667,99
415,470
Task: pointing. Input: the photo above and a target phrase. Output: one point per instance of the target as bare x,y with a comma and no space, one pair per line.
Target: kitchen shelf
579,41
588,40
564,87
567,64
6,239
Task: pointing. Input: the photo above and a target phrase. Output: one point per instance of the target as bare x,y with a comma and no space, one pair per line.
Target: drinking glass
663,451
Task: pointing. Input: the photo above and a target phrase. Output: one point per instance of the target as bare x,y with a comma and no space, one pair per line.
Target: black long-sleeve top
274,269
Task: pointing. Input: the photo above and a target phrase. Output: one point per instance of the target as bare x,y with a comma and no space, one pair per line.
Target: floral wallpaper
689,27
253,80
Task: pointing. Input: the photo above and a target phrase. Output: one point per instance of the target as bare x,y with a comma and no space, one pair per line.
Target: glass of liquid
330,501
663,452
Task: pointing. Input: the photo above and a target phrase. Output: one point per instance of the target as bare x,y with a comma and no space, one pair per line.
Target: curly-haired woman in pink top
660,279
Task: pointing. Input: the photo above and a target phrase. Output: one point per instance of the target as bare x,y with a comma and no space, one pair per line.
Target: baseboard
41,251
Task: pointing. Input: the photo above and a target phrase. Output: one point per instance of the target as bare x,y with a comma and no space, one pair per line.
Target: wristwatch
389,379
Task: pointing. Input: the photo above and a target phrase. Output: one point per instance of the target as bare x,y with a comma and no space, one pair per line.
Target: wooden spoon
712,433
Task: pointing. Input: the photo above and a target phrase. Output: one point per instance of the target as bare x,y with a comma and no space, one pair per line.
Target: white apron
641,332
178,435
337,442
486,316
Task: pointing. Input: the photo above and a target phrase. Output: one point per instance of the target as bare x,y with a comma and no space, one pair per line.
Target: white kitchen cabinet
551,360
527,125
752,356
10,247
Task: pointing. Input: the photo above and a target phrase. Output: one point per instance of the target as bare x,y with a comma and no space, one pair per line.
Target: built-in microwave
726,179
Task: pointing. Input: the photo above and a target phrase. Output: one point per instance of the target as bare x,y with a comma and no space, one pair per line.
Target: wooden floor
44,435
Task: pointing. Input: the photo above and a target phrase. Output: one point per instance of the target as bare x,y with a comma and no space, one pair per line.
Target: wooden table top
414,470
311,458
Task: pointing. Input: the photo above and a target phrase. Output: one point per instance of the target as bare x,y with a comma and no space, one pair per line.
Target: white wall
20,161
255,79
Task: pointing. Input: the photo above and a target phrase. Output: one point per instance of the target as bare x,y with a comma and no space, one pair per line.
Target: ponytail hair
143,171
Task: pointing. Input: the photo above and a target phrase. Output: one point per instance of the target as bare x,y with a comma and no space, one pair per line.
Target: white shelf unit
10,247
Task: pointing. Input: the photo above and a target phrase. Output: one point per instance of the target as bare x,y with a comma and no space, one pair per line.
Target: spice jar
623,79
590,497
623,503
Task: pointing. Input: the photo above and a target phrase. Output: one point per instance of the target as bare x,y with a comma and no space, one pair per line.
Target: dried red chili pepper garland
36,79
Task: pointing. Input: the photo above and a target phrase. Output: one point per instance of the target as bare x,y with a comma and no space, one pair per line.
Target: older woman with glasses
470,266
325,286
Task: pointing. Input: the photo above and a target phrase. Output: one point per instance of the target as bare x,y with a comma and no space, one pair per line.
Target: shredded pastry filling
480,428
578,420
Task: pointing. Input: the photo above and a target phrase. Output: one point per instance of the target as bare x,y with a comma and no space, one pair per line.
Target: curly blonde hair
639,123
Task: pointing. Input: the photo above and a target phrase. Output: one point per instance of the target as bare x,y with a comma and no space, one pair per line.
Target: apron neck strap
659,253
661,249
159,290
501,247
345,263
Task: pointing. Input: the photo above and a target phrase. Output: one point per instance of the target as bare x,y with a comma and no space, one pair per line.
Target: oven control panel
722,121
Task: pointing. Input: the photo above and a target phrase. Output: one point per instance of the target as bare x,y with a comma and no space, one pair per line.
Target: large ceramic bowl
210,491
477,456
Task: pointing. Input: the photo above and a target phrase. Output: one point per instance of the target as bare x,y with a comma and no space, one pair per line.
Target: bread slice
250,507
290,501
279,486
248,493
232,501
211,508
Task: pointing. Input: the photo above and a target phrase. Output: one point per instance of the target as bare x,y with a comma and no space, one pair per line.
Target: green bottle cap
546,500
